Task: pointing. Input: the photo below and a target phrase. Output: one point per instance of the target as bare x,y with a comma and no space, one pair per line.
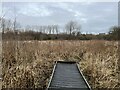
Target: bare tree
53,29
40,29
16,27
2,19
72,26
114,32
56,29
27,28
44,29
49,28
3,25
8,26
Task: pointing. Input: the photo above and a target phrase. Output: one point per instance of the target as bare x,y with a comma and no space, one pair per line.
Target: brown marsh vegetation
28,64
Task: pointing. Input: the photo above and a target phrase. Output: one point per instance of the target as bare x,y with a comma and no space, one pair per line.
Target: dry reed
28,64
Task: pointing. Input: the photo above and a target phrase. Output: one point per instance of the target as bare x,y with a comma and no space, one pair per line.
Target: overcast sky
94,17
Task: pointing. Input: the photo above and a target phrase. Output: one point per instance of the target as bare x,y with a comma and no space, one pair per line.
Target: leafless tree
44,29
53,29
3,25
49,28
40,29
56,29
8,25
72,26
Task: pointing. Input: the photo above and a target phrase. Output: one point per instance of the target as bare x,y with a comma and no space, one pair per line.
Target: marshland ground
29,64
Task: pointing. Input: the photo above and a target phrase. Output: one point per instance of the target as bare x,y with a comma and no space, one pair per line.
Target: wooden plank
66,75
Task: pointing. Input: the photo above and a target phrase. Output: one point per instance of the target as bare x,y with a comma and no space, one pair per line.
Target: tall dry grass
28,64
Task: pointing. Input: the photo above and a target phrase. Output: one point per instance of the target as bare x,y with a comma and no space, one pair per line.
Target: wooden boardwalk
67,76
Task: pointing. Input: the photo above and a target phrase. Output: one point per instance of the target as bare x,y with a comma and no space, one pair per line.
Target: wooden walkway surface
67,76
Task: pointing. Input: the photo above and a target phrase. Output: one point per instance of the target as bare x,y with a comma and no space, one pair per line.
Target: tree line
12,30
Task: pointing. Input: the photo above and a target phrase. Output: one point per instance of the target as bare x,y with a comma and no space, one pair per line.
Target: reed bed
28,64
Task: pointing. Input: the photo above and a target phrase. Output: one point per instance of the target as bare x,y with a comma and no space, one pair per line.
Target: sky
94,17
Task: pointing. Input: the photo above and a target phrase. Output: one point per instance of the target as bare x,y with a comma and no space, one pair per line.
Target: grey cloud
94,17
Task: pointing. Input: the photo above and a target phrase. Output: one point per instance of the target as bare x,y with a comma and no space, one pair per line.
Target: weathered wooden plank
67,76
